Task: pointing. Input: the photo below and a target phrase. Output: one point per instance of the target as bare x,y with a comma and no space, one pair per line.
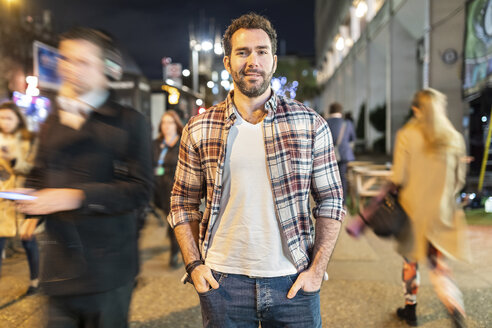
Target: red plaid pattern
300,159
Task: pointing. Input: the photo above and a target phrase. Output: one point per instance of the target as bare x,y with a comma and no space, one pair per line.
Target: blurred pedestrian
348,116
429,170
92,174
252,255
17,152
166,151
343,134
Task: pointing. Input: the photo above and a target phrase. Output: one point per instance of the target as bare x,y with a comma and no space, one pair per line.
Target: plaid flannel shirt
300,160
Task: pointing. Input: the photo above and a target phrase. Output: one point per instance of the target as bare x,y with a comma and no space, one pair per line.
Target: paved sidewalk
363,291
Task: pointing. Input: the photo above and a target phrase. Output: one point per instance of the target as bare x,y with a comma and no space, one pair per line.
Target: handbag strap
342,132
363,218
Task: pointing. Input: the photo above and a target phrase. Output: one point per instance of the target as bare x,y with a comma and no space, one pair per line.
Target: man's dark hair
96,37
110,53
249,21
336,108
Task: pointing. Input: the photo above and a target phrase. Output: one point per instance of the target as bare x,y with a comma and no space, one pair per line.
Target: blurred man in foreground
92,174
253,255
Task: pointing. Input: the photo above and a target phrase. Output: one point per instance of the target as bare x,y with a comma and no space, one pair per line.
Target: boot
31,290
458,319
408,313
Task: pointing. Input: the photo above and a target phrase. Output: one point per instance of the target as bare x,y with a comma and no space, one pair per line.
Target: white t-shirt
247,238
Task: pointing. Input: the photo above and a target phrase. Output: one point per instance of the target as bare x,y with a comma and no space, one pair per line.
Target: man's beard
254,90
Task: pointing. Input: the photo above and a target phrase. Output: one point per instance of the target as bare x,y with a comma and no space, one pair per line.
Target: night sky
152,29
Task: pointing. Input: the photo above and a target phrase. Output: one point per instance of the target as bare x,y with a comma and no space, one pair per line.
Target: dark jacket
335,124
94,248
164,183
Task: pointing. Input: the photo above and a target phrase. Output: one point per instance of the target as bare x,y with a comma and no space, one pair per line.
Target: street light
340,43
224,75
207,45
361,9
9,5
32,86
194,62
218,48
196,47
225,84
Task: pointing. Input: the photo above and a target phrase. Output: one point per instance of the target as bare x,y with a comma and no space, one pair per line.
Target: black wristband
192,266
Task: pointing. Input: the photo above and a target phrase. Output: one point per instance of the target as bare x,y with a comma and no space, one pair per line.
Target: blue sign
45,65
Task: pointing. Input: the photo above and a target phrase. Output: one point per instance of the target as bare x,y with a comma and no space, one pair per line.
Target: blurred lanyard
159,170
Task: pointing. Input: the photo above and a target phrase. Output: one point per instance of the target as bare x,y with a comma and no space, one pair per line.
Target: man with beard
254,255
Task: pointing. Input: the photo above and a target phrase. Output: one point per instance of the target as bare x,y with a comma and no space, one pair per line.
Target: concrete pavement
364,289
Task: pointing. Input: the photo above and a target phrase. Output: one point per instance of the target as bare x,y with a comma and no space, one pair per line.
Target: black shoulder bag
388,218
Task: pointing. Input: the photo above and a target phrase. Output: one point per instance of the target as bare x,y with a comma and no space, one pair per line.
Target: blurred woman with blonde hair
16,160
430,171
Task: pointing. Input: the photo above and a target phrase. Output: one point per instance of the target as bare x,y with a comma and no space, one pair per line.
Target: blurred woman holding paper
16,160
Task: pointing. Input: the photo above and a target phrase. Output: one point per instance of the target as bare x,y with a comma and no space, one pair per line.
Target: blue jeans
32,252
242,302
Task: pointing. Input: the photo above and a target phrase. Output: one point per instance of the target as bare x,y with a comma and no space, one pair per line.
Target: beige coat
13,177
429,183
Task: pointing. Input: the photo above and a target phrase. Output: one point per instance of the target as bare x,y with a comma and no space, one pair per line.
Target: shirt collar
229,106
95,98
335,115
270,105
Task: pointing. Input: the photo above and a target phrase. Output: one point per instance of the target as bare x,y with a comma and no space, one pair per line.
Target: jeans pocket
306,293
219,277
